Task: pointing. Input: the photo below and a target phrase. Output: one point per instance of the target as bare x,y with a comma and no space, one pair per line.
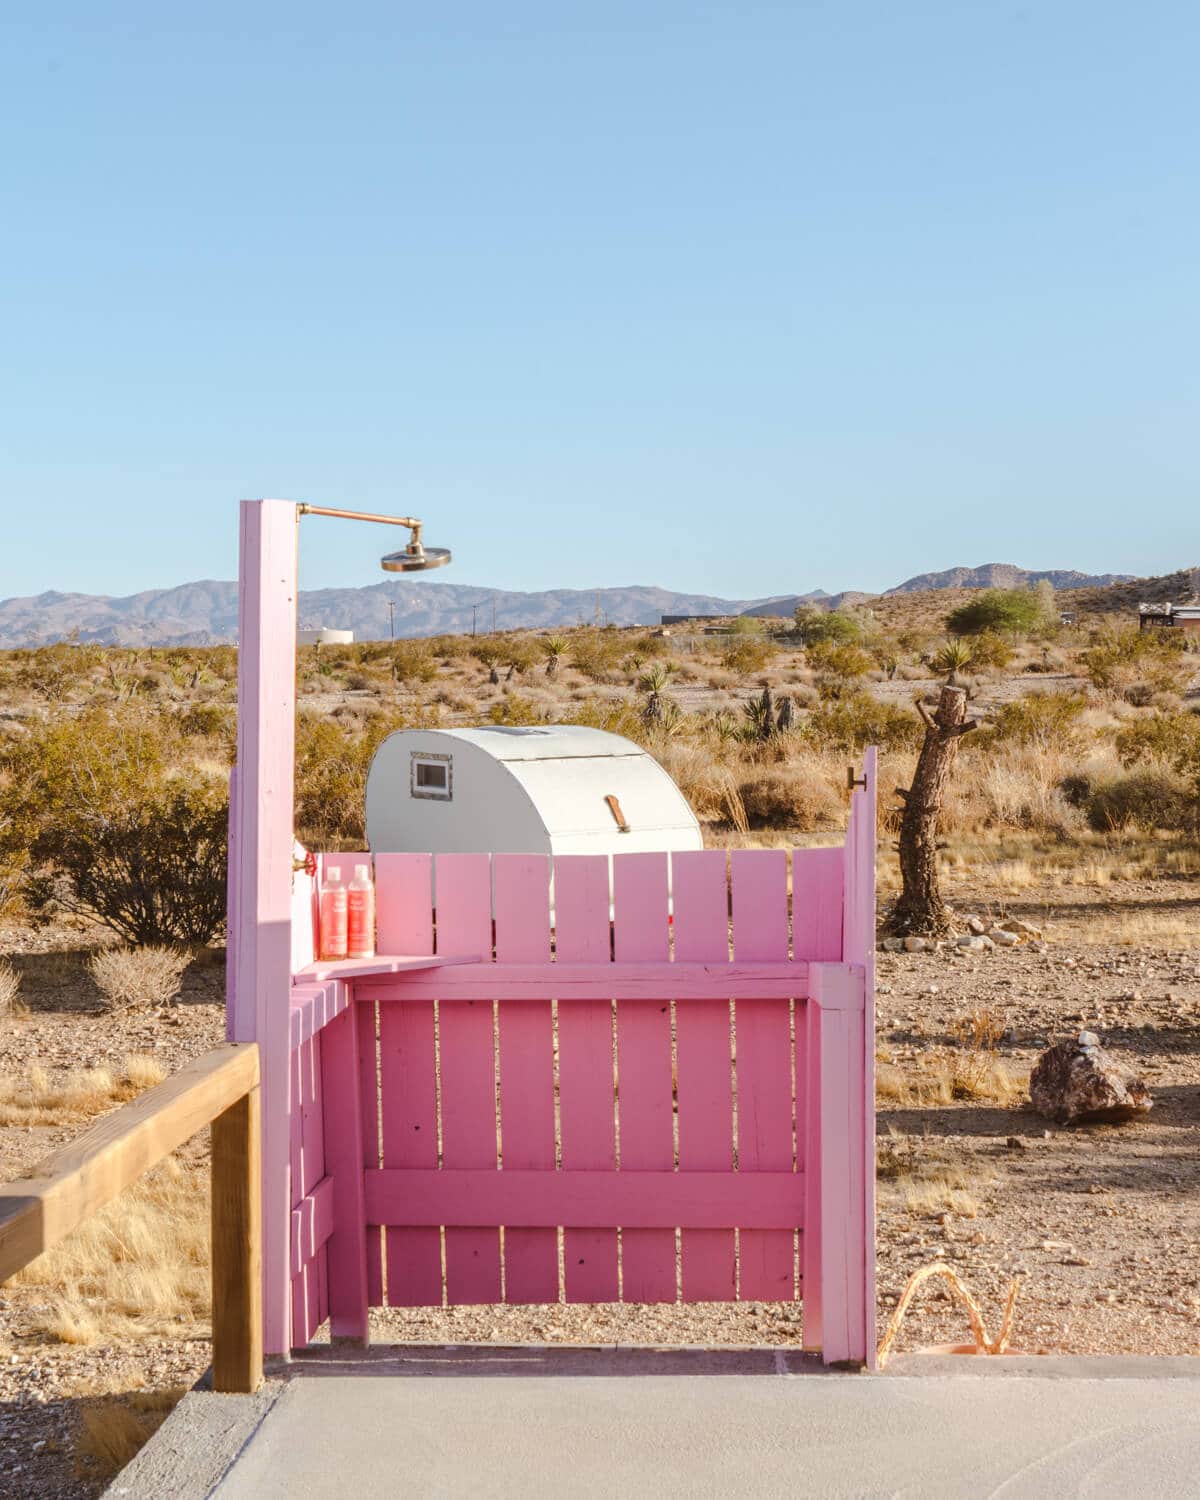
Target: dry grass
11,1003
113,1429
969,1069
40,1099
923,1179
131,977
138,1269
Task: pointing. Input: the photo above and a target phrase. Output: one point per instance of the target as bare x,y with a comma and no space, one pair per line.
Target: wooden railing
221,1088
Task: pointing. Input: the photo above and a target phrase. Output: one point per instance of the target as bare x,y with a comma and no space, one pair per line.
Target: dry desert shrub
795,794
132,977
115,1428
10,990
39,1099
137,1269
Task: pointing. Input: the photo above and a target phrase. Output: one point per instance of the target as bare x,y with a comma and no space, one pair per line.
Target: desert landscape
1068,859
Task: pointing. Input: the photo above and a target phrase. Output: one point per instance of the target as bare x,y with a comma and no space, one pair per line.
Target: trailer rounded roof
554,742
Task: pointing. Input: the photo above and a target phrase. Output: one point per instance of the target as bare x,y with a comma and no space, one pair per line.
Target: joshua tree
786,717
654,683
555,648
920,910
760,713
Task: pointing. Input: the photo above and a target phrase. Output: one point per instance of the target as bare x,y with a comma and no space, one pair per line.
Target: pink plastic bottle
334,914
360,941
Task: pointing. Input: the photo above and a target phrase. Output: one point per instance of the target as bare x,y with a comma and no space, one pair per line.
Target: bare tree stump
920,910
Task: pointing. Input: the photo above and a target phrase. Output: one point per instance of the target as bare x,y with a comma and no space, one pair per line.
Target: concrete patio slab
618,1423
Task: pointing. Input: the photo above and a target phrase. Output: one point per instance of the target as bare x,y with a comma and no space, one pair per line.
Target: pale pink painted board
764,1065
346,1247
408,1088
463,884
641,934
521,883
704,1065
260,909
585,1067
810,1245
368,1092
817,900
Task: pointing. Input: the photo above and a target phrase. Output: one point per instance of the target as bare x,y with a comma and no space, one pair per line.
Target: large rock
1079,1081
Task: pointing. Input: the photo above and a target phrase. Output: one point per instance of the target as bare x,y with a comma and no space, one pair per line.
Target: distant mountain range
205,613
1006,576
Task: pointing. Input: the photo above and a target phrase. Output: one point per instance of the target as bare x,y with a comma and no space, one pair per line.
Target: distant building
324,636
1185,616
1066,617
693,619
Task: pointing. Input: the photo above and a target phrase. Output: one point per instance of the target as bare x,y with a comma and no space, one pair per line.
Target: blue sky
746,299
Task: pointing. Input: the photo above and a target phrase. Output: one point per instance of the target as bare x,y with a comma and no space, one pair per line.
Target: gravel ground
1101,1223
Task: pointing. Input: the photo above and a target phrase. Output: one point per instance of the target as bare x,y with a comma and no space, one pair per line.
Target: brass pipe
359,515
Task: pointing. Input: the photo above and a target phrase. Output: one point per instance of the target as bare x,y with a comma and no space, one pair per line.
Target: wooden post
260,852
237,1247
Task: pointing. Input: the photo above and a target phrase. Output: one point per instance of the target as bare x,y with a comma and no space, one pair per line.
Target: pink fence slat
346,1247
764,1065
407,1064
521,883
404,904
585,1067
407,1072
817,876
704,1065
810,1243
860,948
368,1094
641,934
463,886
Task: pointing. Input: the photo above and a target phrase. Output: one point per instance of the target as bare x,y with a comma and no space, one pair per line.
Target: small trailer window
433,776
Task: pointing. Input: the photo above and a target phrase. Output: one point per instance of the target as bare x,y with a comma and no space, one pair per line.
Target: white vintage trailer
561,789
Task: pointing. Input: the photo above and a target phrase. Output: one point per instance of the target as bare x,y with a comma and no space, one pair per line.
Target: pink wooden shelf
382,963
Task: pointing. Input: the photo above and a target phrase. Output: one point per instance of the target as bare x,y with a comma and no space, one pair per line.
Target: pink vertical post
260,844
846,1229
859,946
522,901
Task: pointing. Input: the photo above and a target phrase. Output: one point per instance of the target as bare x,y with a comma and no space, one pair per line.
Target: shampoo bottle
334,904
361,914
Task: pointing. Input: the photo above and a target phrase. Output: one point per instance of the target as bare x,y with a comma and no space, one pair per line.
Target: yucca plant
951,658
555,648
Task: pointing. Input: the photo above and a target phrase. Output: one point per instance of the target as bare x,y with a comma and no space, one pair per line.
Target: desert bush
1122,657
747,654
990,649
208,721
133,977
596,653
997,611
412,661
815,626
853,722
1040,719
332,761
951,658
1144,799
113,825
795,794
516,708
1173,738
837,663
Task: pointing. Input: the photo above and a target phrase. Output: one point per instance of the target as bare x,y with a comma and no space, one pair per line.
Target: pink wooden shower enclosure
644,1079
